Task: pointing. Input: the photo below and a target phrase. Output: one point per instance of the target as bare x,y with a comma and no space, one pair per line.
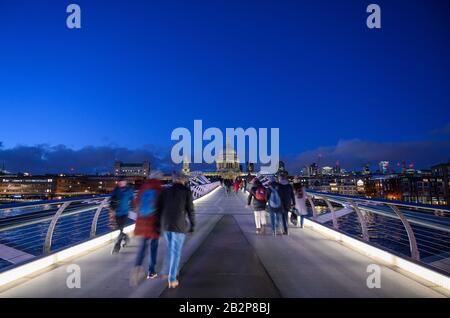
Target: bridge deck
225,258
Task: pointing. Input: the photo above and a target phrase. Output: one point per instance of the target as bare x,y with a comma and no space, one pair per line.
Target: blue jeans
174,246
275,220
152,256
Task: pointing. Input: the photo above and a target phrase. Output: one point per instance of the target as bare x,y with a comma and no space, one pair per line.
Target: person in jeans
121,201
287,197
300,203
175,205
274,204
258,194
147,227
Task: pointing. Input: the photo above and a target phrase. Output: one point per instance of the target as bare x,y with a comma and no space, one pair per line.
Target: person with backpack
287,197
259,195
236,185
274,204
147,227
300,203
175,204
121,202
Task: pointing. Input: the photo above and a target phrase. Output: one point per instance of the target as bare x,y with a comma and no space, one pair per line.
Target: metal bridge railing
421,232
47,226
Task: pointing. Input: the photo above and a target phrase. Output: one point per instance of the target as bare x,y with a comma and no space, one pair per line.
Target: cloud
442,131
41,159
354,153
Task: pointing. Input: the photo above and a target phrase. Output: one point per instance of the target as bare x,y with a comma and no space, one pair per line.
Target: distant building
227,163
442,173
312,170
27,188
366,170
186,168
383,167
132,169
327,171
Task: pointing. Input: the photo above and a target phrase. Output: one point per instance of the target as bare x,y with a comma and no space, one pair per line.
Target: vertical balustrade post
51,227
411,237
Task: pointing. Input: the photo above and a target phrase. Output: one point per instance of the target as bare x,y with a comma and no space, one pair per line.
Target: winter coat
175,204
147,226
124,198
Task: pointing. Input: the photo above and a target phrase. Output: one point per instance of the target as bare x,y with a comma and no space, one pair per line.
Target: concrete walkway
225,258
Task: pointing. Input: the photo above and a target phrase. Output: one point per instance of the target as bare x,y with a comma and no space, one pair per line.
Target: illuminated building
132,169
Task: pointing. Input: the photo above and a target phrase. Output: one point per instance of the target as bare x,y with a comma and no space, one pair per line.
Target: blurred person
236,186
287,197
147,227
121,202
258,194
175,205
274,205
300,203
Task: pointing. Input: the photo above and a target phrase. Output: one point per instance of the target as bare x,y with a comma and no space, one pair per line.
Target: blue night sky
138,69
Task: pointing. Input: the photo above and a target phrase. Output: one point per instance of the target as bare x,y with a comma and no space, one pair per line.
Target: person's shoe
115,249
125,241
285,233
274,233
258,231
173,284
152,275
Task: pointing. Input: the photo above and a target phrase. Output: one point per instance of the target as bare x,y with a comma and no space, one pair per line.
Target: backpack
260,193
274,200
147,202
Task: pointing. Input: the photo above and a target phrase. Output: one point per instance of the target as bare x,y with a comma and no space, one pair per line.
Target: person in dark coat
287,197
175,205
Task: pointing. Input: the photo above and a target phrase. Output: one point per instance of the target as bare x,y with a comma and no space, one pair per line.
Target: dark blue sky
138,69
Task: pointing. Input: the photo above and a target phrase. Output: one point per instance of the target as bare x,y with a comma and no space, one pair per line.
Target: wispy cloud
442,131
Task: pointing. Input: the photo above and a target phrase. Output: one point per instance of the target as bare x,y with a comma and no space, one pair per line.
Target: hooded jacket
147,227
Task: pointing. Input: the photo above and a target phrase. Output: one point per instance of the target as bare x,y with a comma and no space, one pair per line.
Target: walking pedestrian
258,194
121,201
274,205
147,227
287,197
175,205
300,203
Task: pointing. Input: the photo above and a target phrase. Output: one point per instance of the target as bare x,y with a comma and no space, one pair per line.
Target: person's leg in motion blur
176,248
152,258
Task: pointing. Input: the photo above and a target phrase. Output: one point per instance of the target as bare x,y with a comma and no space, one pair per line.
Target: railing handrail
47,202
382,201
